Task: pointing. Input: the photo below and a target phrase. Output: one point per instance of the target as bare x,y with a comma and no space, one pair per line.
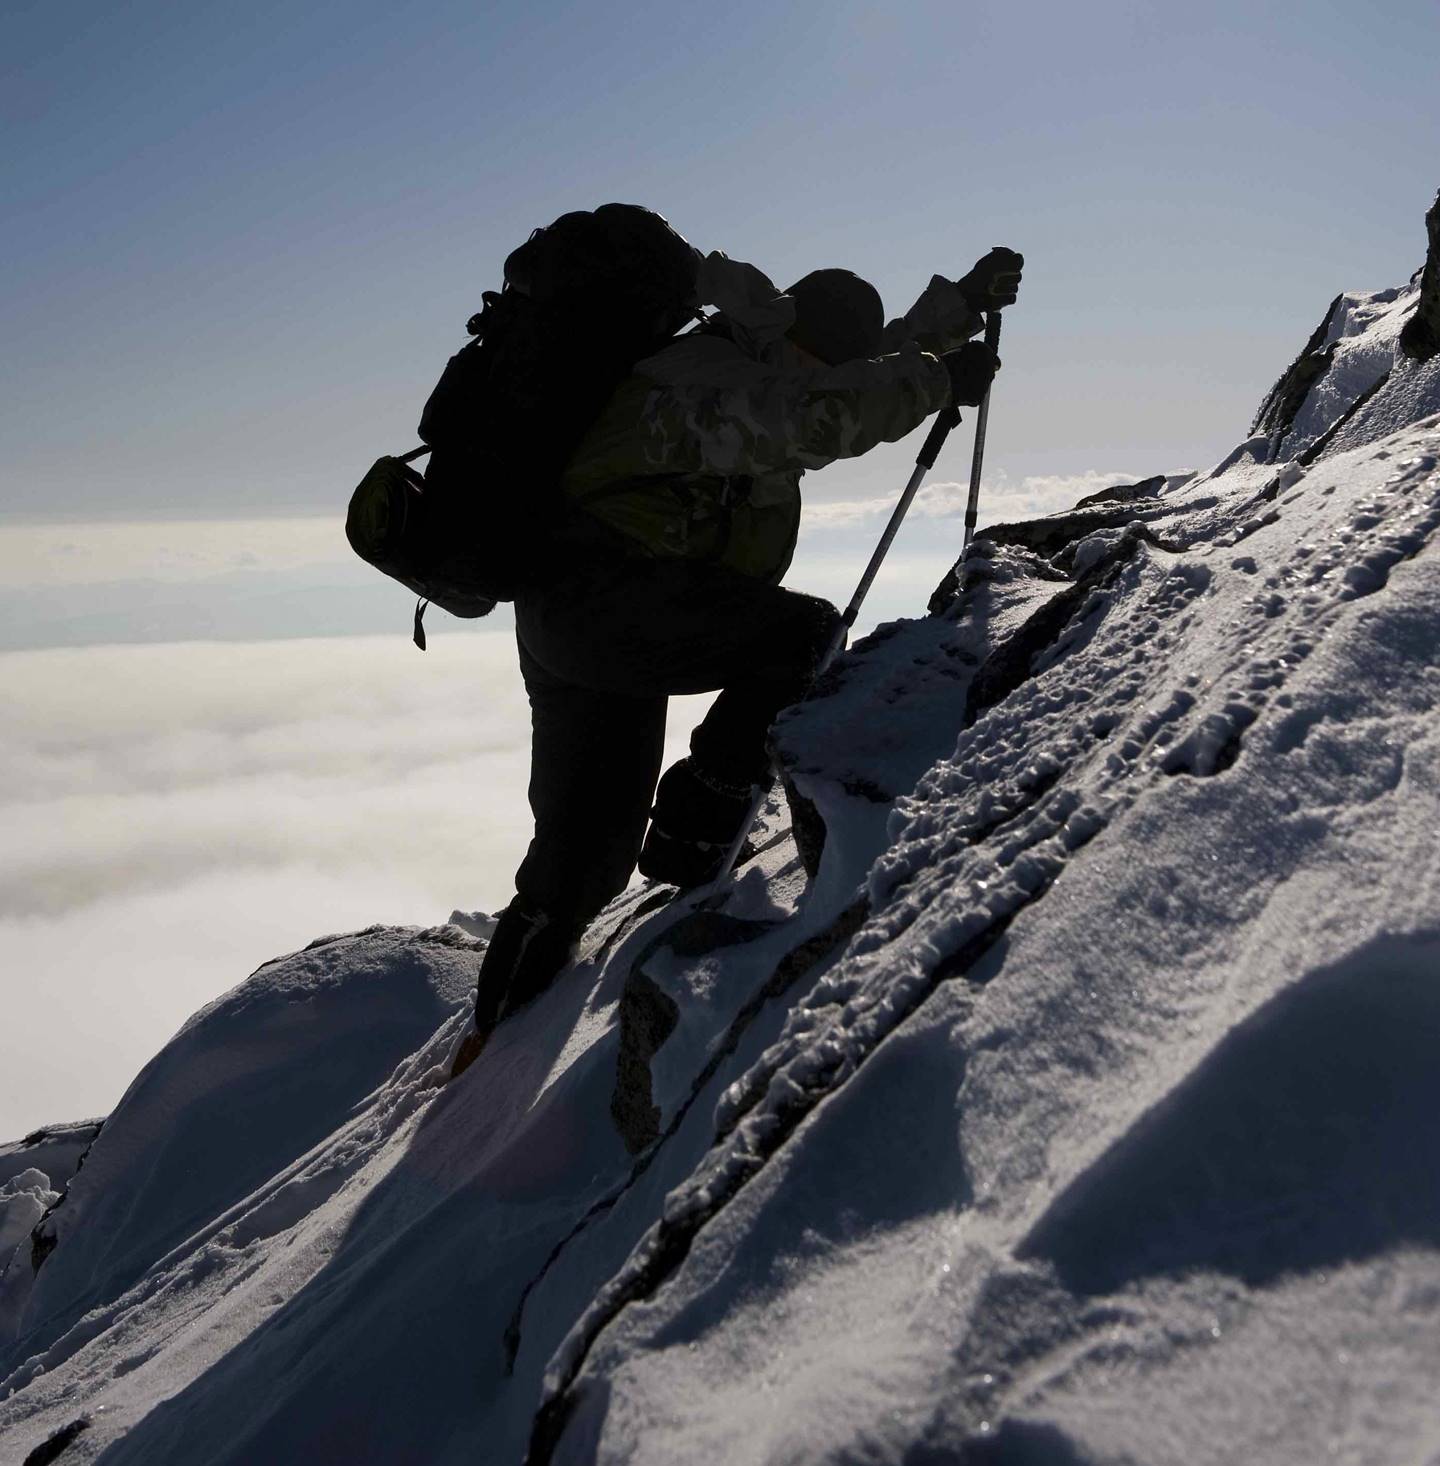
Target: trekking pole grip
946,419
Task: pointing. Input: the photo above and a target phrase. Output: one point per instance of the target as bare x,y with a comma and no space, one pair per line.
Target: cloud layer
174,815
1003,498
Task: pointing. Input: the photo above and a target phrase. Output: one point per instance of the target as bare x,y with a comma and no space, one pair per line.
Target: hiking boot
694,822
525,955
686,863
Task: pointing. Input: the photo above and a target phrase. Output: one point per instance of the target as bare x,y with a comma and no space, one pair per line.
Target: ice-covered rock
57,1150
34,1173
24,1199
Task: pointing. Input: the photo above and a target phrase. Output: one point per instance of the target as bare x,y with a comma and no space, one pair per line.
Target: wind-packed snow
1080,1109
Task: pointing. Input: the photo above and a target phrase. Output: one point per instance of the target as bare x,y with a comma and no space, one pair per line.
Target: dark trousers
601,651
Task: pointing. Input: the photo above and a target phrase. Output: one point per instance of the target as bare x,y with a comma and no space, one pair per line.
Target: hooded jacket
699,453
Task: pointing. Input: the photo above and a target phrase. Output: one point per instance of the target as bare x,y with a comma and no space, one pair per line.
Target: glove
994,282
971,367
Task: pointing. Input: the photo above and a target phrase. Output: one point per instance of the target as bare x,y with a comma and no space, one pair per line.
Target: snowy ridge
1080,1109
1006,847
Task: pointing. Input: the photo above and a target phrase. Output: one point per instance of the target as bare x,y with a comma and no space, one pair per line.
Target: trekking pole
982,419
940,429
947,419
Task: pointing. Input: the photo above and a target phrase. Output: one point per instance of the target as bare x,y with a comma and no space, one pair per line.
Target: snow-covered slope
1081,1108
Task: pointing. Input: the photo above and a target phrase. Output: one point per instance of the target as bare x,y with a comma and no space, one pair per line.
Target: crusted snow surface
1079,1110
889,711
186,1223
292,1241
1112,1135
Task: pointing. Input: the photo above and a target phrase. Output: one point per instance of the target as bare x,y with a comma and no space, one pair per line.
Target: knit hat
838,316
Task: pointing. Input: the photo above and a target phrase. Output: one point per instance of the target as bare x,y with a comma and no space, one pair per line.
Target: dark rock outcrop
1147,488
1284,400
53,1447
808,827
648,1016
1420,340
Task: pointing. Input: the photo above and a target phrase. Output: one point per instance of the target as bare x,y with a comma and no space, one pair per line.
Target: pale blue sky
240,241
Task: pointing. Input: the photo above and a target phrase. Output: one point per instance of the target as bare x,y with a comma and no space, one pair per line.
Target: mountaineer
681,510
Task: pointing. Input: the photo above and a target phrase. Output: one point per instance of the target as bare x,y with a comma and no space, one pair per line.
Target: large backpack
583,300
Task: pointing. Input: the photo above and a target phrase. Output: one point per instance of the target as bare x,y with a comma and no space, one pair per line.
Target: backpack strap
422,603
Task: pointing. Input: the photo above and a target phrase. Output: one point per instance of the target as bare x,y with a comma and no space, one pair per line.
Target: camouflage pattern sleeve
768,418
939,321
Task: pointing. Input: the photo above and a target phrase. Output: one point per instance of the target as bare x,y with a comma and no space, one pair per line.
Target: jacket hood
758,312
